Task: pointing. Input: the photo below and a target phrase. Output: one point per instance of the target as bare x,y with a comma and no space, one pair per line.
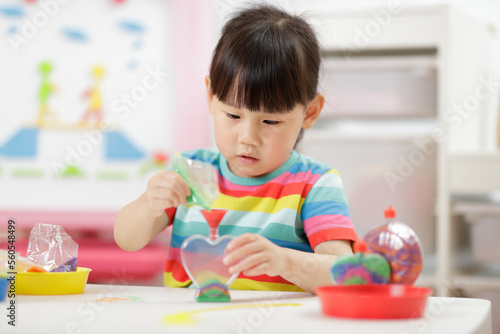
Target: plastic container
4,287
400,246
374,301
52,283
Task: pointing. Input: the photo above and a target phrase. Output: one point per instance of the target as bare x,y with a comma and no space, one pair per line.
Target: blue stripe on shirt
312,209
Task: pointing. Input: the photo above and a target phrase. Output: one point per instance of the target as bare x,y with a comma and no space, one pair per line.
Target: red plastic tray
389,301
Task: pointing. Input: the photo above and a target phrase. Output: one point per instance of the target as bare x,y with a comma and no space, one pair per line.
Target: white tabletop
141,309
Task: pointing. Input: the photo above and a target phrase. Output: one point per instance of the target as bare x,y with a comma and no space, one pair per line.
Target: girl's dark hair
266,60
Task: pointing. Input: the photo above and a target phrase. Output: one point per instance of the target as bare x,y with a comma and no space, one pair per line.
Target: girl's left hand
254,255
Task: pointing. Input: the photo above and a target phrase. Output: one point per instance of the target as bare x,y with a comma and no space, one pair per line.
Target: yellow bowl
60,283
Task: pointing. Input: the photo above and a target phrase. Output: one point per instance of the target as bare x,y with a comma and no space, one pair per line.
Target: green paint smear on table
149,166
186,318
22,172
112,175
72,171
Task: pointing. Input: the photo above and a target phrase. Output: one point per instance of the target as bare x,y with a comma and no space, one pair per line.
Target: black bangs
263,63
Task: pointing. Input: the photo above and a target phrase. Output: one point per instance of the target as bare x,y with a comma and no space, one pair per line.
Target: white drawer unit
405,65
475,172
380,85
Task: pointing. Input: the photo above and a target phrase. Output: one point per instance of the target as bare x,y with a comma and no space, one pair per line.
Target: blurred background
96,96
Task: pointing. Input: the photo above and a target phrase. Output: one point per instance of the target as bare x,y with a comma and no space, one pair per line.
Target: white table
141,309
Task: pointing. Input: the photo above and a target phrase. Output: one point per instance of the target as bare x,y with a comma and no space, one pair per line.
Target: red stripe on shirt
170,214
177,270
179,274
272,190
336,233
266,279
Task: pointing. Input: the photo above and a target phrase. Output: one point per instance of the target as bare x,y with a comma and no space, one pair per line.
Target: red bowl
373,301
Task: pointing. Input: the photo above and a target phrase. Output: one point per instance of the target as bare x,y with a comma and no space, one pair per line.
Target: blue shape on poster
12,29
12,11
74,34
22,145
137,44
131,26
119,147
132,64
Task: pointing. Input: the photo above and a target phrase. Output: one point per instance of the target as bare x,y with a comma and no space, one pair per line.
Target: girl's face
257,143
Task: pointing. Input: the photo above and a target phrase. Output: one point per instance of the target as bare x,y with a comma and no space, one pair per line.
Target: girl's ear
313,110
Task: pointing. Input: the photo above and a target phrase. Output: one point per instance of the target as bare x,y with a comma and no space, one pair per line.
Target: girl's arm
258,256
135,226
311,270
140,221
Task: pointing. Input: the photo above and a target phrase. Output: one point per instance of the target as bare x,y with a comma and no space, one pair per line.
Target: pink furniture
97,249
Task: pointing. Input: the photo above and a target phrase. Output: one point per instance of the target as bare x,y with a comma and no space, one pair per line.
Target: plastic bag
52,248
201,178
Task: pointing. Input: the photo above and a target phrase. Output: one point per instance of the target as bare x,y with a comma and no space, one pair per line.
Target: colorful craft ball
360,268
400,246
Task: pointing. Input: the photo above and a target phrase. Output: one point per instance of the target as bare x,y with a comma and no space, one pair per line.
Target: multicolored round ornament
360,268
399,245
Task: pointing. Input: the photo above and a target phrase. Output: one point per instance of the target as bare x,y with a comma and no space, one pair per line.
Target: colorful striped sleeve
325,213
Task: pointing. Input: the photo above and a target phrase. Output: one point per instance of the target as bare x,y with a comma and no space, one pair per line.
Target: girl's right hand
166,189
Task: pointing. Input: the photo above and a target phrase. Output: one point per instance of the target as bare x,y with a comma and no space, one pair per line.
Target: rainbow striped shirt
298,206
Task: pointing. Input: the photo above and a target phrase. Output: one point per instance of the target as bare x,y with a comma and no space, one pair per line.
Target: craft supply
374,301
202,259
51,248
201,178
21,264
52,283
400,246
360,268
4,286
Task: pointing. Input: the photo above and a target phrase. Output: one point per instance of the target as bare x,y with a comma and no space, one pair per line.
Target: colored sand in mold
361,269
213,295
69,265
213,291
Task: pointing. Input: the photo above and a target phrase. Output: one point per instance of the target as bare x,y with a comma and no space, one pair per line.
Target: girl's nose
250,134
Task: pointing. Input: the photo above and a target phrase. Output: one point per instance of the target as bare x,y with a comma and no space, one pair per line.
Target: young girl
288,212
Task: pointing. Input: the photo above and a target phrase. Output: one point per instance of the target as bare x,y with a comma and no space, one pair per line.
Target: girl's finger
261,269
241,252
249,262
241,240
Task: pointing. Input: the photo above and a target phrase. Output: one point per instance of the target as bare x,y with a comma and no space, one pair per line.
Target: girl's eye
271,122
232,116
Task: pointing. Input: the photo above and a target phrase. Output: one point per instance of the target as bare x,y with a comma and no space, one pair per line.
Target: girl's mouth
247,160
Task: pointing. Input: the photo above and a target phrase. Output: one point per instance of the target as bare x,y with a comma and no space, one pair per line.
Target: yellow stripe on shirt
238,284
249,284
258,204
